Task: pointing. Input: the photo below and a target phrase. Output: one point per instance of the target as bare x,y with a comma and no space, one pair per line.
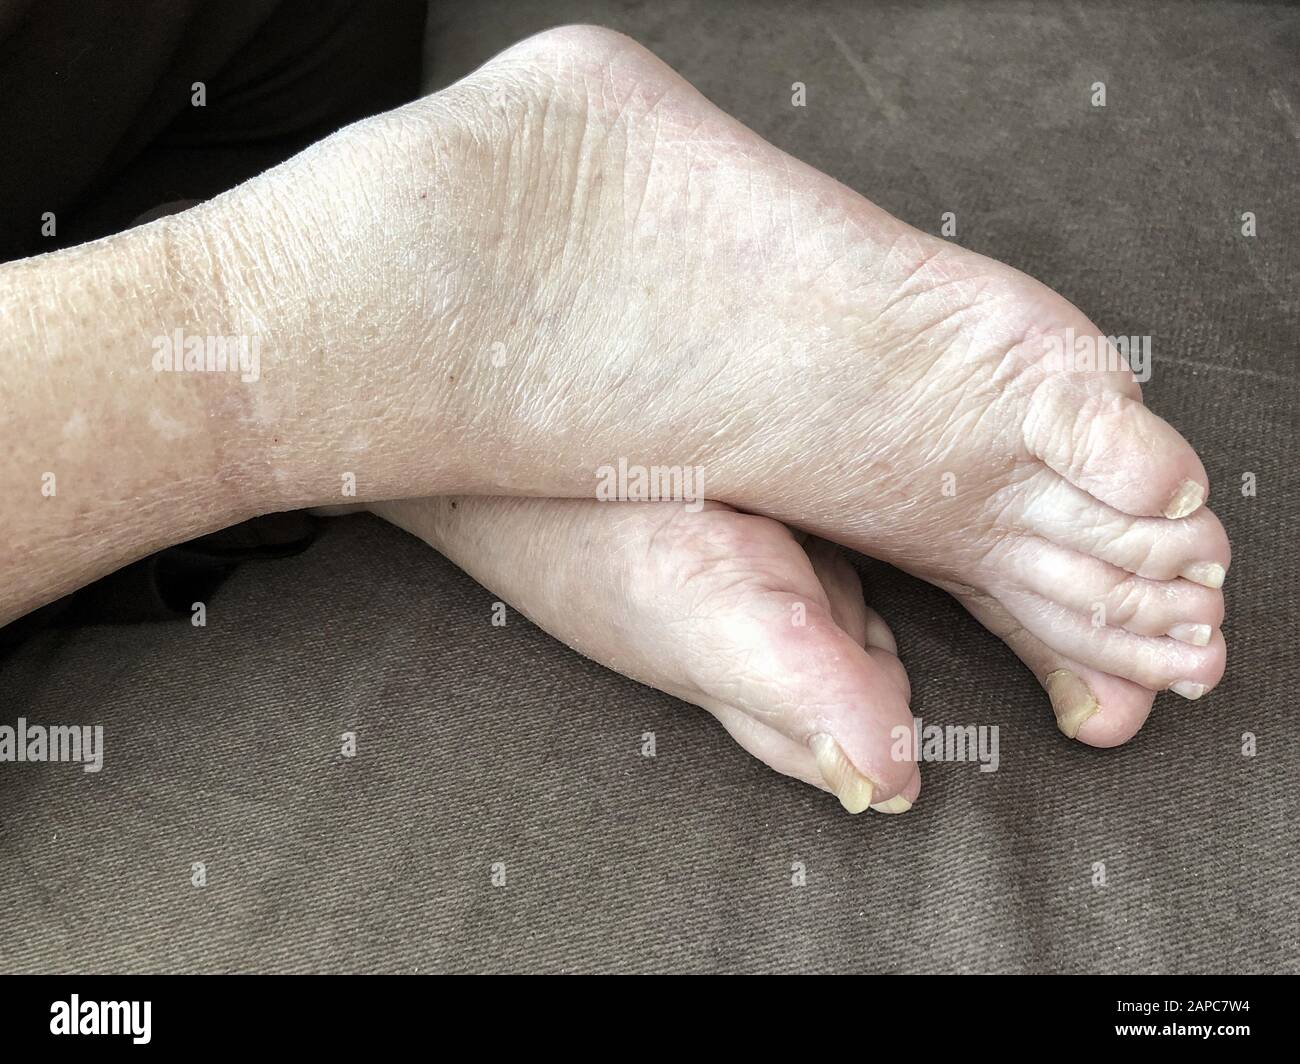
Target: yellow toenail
1186,500
850,786
897,804
1072,701
1207,574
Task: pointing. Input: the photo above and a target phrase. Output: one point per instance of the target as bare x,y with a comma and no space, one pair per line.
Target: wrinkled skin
572,257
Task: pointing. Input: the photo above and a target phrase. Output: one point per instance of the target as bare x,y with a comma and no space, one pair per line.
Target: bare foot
571,258
765,629
656,282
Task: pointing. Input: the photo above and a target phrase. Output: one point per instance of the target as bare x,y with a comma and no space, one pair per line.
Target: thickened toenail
1188,689
896,804
850,786
1186,499
1072,701
1207,574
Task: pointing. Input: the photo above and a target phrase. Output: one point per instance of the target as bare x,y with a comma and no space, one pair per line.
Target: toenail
897,804
1186,500
1072,701
850,786
1207,574
1188,689
1196,634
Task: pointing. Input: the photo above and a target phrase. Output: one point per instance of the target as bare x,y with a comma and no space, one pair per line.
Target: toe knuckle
1126,600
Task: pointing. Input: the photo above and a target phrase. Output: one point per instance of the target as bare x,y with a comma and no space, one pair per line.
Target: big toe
1094,707
1105,441
801,673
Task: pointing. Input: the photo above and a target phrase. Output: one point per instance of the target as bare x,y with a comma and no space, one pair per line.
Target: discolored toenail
1188,689
1072,701
1207,574
850,786
896,804
1186,500
1198,635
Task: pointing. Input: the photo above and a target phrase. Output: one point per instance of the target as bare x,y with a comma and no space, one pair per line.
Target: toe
1195,548
904,799
849,610
1113,447
883,650
1157,664
842,585
795,759
1096,708
819,686
788,652
1110,596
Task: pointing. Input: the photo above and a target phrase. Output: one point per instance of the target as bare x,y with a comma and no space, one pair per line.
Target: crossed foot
838,371
572,257
691,289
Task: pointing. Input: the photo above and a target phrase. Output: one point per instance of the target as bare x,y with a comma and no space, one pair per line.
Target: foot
572,257
765,629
